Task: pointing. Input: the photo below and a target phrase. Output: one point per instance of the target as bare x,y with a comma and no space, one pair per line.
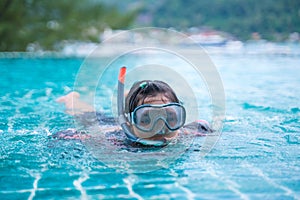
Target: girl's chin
167,136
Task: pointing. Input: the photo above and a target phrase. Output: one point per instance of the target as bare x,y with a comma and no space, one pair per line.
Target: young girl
153,115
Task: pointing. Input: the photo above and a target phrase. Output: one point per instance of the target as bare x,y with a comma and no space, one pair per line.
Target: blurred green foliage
272,19
46,23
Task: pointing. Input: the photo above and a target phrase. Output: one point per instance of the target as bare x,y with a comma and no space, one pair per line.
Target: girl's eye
171,117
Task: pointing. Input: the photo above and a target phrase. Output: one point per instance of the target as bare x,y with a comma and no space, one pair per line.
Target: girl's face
168,135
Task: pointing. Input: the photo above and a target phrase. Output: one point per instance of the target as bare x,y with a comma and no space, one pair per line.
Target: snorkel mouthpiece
123,120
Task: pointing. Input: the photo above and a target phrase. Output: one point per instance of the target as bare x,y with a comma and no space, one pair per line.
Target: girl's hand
199,128
74,105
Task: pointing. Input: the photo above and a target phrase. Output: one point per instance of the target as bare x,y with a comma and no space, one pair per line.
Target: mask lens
142,118
146,117
173,117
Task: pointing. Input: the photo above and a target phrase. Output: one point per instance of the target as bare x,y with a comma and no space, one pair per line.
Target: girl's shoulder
95,118
89,119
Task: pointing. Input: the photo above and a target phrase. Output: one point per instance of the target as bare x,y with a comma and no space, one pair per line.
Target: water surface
257,156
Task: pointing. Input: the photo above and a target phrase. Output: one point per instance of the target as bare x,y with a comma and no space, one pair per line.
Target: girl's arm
74,105
86,116
84,113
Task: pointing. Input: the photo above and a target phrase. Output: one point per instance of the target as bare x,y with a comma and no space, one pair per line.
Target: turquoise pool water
257,156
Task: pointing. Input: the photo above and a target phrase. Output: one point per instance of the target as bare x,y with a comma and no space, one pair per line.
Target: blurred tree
270,18
47,23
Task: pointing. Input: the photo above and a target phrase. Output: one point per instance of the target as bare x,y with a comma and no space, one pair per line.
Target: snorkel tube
122,118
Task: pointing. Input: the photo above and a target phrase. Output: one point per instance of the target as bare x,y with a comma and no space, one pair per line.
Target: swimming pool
257,156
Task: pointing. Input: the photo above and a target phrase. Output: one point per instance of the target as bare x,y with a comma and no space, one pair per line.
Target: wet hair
142,89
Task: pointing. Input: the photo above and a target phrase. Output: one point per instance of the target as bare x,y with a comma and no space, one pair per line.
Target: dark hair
142,89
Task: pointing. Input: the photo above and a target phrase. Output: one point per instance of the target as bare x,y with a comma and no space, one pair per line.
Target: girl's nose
159,126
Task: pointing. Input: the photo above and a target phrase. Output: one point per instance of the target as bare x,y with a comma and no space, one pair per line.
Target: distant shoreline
248,48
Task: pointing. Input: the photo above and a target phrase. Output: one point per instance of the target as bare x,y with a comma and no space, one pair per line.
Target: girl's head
153,93
141,91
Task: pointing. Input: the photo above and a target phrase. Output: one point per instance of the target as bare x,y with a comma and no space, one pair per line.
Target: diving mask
152,118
